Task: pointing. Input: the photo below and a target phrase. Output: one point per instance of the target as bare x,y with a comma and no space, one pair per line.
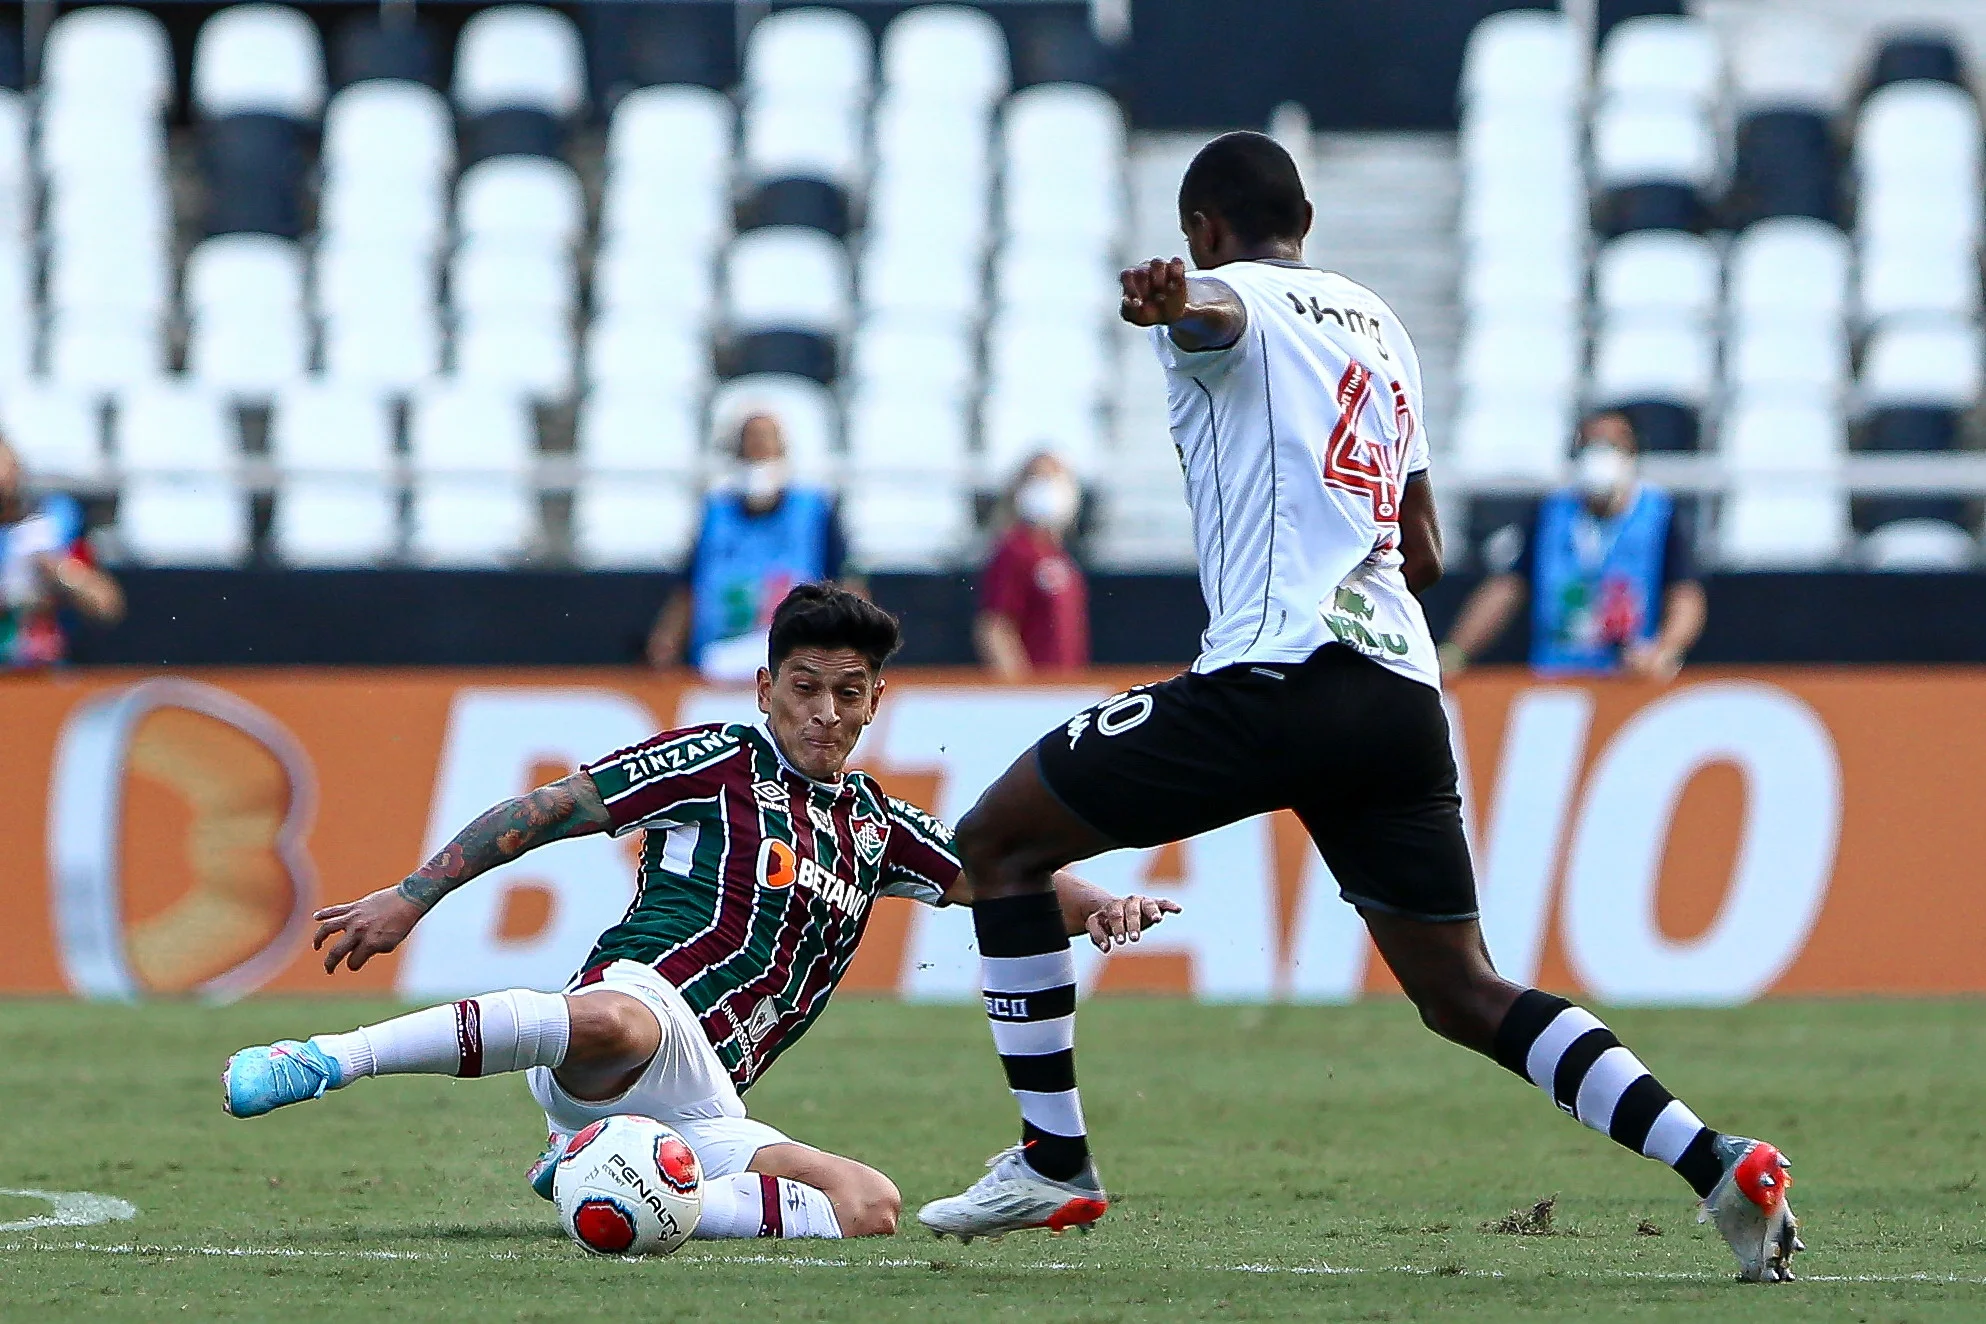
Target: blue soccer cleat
260,1080
547,1167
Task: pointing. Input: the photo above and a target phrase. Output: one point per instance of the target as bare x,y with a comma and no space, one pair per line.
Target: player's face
818,704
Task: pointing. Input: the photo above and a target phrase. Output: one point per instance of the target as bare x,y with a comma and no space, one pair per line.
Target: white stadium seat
946,54
1935,364
511,275
103,354
124,285
1017,421
1520,211
1798,358
1786,506
1043,279
1636,142
167,429
672,133
383,212
1068,125
1790,61
250,353
388,350
633,278
1522,55
1645,360
651,350
1918,130
906,525
110,52
911,354
242,271
1918,280
624,524
1541,351
389,128
805,409
54,430
787,277
1792,438
683,220
527,197
1919,544
1789,266
523,353
361,278
331,428
1663,272
512,57
460,429
1513,433
466,522
258,59
1549,278
630,429
792,137
1666,57
900,432
181,522
1059,356
824,53
334,523
924,275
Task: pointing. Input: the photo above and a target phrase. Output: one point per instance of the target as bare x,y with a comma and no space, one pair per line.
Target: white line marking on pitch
70,1209
822,1262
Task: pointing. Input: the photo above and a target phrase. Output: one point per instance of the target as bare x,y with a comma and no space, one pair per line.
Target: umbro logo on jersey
872,838
770,794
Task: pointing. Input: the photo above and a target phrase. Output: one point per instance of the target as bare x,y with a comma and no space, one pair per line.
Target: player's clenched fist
365,928
1123,919
1154,293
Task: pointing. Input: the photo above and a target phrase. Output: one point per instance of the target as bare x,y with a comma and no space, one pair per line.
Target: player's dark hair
823,616
1249,181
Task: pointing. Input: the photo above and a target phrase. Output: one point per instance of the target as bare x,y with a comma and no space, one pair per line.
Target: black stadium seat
1785,167
1653,206
512,131
1913,55
814,203
1662,426
1912,428
639,43
370,45
254,169
803,353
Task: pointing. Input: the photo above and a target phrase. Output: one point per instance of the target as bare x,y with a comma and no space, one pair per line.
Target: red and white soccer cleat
1013,1196
1749,1207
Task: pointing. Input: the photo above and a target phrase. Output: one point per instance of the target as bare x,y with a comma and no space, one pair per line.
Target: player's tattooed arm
1201,313
501,833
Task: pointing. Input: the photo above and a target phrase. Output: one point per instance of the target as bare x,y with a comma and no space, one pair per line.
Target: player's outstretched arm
1202,313
377,923
1088,909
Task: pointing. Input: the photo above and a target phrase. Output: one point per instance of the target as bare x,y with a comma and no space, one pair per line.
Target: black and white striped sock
1566,1052
1029,978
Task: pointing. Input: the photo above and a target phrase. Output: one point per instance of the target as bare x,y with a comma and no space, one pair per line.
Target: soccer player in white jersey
761,859
1296,408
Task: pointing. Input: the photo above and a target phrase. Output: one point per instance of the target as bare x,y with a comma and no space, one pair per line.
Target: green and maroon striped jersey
756,882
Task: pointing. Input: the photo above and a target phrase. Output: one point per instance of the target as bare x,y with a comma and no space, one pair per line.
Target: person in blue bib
761,535
47,574
1605,565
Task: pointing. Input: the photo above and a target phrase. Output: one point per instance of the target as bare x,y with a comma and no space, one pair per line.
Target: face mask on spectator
762,481
1602,471
1048,503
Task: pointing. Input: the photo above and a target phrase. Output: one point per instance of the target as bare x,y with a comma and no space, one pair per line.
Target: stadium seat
519,57
1015,421
805,409
1925,364
1654,162
174,429
1918,130
634,428
320,428
633,348
319,524
528,353
1062,151
260,59
243,271
1513,432
513,132
824,54
1916,56
1942,210
127,284
787,279
1919,545
946,210
797,139
1518,210
631,278
1058,355
1522,55
922,275
525,197
468,522
109,52
408,216
178,522
1540,349
937,141
244,300
897,354
387,349
357,278
1523,141
1789,267
623,524
383,45
1549,277
898,431
16,175
946,54
55,432
1799,358
101,354
254,167
1793,438
1918,280
672,134
1658,272
905,526
1028,275
1789,60
678,221
457,429
1646,359
388,129
1784,167
509,275
1661,57
1786,507
812,203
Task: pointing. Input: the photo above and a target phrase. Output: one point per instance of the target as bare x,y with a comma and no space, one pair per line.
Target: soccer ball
628,1186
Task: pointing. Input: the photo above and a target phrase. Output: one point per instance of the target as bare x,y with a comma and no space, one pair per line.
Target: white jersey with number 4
1297,441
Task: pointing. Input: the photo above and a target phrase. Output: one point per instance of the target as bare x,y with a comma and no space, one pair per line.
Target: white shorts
685,1085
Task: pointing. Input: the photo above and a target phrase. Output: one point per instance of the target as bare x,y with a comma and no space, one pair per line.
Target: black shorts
1360,752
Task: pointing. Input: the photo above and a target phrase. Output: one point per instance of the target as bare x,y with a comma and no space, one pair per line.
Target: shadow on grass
509,1234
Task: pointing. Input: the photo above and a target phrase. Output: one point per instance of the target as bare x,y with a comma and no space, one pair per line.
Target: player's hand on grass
365,928
1123,919
1154,293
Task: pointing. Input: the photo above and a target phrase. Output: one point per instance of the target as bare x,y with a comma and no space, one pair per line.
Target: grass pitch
1269,1163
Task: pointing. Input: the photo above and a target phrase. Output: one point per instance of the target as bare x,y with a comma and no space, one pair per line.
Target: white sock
751,1204
485,1036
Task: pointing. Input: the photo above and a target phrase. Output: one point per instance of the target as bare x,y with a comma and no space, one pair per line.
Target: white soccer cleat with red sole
1011,1197
1749,1207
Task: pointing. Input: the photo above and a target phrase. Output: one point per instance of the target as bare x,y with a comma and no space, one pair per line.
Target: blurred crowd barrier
1725,838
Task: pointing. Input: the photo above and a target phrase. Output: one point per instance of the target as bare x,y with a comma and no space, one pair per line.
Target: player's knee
874,1209
1462,1010
997,860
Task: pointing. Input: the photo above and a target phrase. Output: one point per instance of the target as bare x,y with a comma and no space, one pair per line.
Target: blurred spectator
45,568
761,535
1034,609
1597,560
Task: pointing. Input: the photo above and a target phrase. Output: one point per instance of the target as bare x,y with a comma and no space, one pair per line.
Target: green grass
1278,1137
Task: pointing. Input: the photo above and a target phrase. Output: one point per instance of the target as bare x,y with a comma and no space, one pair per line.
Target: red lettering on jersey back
1357,463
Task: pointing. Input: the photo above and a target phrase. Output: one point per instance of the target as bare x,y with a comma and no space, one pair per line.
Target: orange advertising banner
1725,838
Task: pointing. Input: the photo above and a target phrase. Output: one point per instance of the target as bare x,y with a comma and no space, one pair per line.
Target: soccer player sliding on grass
1296,409
761,861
